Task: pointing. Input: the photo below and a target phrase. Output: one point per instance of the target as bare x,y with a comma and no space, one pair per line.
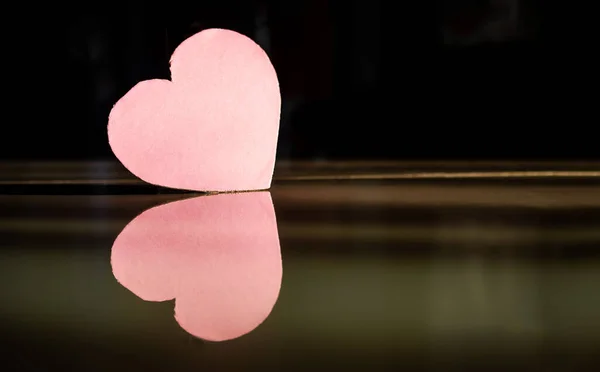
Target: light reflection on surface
439,276
218,256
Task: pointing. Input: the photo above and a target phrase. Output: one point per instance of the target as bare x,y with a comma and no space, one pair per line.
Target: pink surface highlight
218,256
214,127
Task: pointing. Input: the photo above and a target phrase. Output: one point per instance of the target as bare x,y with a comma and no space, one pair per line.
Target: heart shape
218,256
213,127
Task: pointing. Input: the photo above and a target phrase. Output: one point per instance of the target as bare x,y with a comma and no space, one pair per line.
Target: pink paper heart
218,256
214,127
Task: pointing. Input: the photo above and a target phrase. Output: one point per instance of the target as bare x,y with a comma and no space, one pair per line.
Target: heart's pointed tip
227,190
241,191
246,184
181,184
206,190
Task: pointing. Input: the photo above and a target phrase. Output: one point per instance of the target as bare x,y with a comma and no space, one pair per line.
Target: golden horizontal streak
365,176
335,232
75,182
448,175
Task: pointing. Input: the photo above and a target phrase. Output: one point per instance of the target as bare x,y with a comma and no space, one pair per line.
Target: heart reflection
218,256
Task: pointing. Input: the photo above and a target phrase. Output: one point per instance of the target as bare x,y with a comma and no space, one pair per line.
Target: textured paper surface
213,127
218,256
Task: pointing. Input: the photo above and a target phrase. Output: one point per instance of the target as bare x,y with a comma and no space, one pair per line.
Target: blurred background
359,78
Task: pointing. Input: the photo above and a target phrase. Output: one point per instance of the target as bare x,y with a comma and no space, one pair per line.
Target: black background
359,79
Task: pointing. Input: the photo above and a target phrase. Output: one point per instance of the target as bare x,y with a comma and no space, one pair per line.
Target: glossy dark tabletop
436,266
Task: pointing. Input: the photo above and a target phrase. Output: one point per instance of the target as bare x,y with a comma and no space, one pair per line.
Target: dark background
359,79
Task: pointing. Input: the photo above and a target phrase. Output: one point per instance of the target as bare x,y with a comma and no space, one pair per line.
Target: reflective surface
377,274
